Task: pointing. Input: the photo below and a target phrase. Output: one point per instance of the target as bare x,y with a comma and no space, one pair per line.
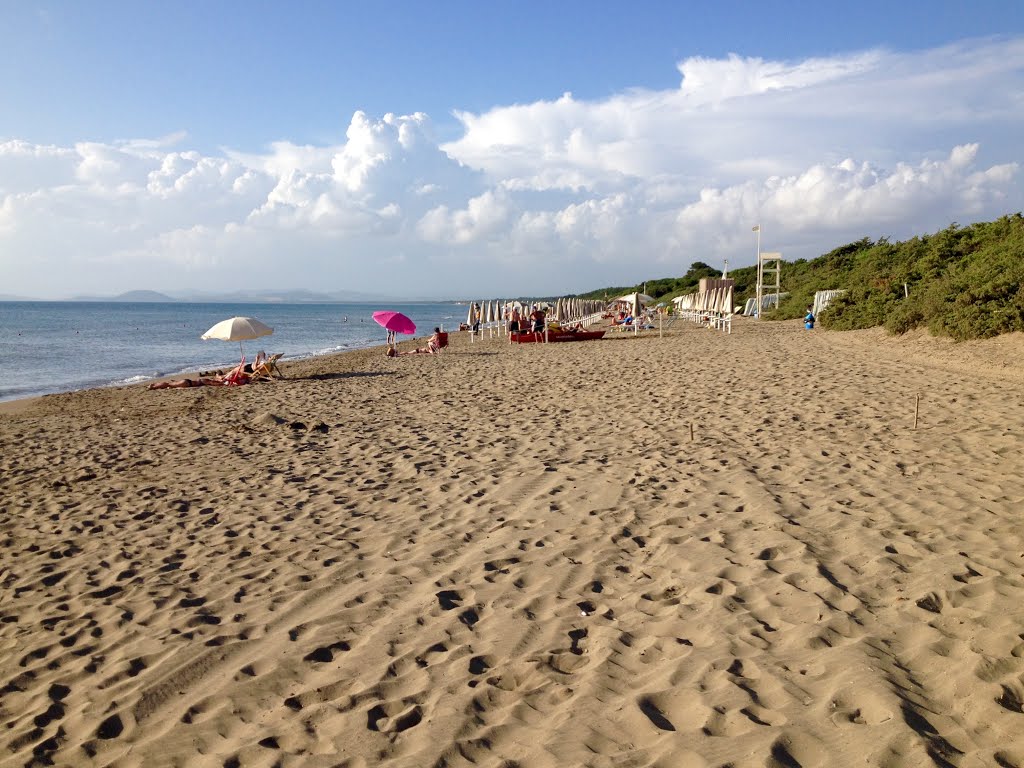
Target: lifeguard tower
769,280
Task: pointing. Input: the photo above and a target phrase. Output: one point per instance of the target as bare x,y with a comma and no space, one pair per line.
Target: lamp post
757,310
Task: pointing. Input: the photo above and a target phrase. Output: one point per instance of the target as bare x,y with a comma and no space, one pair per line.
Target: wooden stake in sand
691,431
917,409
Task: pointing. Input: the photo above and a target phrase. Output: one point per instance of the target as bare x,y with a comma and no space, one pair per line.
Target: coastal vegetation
962,282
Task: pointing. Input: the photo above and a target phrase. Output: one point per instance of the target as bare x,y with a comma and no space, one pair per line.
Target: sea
63,346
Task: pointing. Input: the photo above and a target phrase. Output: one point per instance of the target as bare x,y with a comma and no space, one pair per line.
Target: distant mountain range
299,296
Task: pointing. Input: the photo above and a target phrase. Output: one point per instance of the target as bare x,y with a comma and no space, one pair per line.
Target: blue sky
484,149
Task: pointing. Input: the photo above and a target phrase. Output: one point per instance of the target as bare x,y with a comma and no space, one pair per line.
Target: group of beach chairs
266,368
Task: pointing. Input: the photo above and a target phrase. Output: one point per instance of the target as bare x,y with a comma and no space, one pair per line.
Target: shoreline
139,379
999,356
89,344
692,550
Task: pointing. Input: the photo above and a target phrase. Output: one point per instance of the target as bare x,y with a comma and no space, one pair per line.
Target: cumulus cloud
551,196
826,201
482,217
735,117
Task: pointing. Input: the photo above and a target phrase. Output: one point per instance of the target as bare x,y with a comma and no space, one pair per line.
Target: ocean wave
130,380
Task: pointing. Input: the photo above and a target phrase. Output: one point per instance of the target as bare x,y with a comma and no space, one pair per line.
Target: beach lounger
268,369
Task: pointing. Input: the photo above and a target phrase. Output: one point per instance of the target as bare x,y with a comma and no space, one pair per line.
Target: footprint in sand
394,717
797,748
572,659
861,706
674,709
449,599
325,653
1012,697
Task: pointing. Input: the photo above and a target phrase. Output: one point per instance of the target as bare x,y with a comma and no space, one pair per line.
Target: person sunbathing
433,347
427,350
185,383
235,377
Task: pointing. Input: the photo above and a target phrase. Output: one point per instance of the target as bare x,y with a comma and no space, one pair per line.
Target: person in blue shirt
809,319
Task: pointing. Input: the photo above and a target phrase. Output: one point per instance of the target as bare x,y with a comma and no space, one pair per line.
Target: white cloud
580,193
712,81
482,217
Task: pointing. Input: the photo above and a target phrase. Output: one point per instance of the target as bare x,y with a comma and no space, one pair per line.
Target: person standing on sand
537,316
809,319
514,323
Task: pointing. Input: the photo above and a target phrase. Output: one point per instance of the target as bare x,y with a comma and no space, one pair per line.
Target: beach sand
517,556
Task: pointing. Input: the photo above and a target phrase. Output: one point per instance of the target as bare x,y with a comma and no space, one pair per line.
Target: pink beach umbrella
394,322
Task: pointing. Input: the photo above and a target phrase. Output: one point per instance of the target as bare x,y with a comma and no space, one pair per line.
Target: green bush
962,282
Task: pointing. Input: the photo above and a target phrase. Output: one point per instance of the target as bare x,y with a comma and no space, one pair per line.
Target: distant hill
142,296
133,296
268,296
282,296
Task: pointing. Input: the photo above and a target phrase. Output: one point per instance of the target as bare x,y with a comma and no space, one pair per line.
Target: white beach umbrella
635,298
238,329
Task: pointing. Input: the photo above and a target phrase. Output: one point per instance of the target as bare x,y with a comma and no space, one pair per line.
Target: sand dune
518,557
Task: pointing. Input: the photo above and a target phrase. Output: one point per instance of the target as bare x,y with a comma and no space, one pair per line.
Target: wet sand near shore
694,550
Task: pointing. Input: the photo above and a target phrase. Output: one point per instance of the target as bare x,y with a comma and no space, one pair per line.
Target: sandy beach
694,550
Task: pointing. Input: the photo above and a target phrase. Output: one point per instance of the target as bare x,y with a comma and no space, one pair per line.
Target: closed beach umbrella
238,329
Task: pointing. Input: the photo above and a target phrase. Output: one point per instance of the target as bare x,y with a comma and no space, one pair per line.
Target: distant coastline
240,297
